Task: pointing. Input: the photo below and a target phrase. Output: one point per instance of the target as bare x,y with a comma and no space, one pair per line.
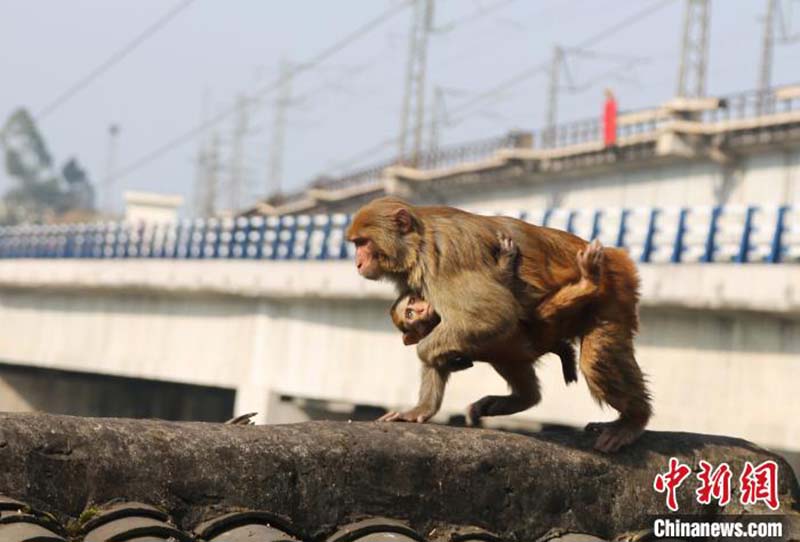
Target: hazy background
213,50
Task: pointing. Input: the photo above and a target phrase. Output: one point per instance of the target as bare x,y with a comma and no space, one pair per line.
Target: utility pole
556,64
236,166
111,155
200,177
413,112
438,118
200,188
767,44
209,168
282,103
694,49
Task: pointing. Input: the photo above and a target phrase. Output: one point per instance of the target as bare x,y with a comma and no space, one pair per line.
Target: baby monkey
416,318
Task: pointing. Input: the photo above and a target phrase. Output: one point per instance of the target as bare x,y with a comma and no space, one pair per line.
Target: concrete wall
721,343
769,178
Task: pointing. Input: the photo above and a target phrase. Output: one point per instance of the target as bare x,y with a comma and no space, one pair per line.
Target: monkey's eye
360,241
409,314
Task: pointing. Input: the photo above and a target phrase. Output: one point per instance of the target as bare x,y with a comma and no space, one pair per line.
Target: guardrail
652,235
445,156
738,106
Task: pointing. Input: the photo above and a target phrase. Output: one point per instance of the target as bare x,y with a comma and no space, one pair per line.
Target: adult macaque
444,252
415,317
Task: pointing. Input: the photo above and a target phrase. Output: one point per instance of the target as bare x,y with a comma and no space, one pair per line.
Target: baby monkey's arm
575,296
507,256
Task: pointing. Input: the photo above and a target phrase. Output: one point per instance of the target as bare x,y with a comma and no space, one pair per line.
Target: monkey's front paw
414,415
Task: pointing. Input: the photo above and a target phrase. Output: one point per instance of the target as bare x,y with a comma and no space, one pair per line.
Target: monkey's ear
410,338
403,220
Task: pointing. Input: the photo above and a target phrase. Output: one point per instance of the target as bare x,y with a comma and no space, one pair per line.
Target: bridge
264,312
268,315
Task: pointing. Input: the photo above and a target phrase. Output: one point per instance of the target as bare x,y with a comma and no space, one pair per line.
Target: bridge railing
429,159
652,235
742,105
737,106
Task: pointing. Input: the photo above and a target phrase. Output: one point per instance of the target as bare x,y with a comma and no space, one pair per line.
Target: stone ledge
321,475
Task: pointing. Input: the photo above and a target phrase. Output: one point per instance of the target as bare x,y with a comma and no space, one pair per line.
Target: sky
343,108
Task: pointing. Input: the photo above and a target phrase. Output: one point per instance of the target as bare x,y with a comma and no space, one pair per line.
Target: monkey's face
367,261
379,234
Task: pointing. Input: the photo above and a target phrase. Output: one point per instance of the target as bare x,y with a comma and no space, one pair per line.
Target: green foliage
21,126
42,193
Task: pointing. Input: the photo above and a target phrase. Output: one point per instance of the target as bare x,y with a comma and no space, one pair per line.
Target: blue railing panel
721,234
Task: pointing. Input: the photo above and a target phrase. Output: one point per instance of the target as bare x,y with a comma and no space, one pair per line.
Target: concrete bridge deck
720,342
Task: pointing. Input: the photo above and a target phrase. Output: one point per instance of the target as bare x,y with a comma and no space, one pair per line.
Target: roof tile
376,530
227,523
27,532
127,528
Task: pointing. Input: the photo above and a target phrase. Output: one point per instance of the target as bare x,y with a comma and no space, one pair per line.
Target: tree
41,193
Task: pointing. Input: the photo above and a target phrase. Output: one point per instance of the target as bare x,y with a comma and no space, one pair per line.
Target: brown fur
506,271
445,252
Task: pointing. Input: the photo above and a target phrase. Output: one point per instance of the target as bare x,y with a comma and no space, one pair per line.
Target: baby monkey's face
416,309
417,316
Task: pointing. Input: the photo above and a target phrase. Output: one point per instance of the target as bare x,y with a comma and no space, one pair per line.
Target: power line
624,23
543,66
456,114
115,58
475,15
539,15
297,69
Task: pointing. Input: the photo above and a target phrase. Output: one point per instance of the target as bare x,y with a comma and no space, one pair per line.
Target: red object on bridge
610,120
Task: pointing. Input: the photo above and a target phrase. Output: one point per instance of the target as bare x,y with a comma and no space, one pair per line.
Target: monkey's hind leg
524,394
614,377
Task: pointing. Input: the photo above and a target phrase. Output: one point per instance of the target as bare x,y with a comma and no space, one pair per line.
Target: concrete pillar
267,348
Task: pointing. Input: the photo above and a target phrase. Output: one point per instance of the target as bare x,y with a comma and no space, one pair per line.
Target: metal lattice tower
413,114
208,166
236,179
282,103
198,191
438,118
556,65
694,50
201,178
777,28
767,44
